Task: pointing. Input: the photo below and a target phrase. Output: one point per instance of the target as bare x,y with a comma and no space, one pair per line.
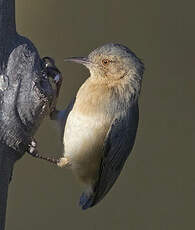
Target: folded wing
118,145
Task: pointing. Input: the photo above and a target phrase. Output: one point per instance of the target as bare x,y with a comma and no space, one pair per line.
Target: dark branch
7,26
8,30
7,159
7,18
25,97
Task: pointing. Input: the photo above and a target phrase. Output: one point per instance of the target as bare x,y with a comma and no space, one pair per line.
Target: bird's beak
81,60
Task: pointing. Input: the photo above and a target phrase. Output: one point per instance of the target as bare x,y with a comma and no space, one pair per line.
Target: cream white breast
85,132
83,144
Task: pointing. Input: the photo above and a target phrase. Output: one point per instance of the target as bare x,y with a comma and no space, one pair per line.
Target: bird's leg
54,114
32,150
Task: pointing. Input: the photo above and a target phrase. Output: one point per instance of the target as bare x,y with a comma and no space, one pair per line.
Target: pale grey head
113,61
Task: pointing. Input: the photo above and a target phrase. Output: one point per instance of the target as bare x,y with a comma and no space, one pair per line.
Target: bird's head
111,61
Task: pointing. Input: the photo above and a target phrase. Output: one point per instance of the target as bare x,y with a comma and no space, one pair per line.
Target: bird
99,126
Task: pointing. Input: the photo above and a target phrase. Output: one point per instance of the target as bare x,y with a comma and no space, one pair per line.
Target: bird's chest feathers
92,100
84,135
103,98
90,119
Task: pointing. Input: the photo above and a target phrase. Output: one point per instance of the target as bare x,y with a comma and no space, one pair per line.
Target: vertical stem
6,166
7,36
7,29
7,19
17,94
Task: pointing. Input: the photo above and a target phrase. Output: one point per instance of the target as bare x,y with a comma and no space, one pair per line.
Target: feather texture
117,147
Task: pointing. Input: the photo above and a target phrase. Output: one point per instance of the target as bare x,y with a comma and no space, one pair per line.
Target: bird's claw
32,147
32,150
52,71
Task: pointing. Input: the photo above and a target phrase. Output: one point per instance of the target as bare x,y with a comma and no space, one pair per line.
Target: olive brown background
157,186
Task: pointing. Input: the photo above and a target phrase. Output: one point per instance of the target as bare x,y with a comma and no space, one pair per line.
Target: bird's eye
105,62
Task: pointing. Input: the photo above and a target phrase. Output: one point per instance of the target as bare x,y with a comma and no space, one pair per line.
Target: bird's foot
32,150
54,73
63,162
32,147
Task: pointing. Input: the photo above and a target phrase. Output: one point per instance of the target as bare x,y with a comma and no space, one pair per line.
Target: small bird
99,126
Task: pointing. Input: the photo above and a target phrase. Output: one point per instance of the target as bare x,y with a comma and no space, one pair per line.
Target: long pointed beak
81,60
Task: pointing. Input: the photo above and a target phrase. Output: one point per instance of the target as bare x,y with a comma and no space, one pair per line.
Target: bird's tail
86,200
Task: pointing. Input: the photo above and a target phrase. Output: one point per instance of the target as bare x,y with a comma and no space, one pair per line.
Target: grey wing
118,145
61,117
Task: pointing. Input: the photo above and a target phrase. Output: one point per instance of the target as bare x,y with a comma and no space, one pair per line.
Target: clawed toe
32,146
63,162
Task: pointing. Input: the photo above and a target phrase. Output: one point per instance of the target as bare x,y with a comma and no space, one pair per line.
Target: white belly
83,144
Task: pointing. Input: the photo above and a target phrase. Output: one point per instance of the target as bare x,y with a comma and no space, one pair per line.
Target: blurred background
157,186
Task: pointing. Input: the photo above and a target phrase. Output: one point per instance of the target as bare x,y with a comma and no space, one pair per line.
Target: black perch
26,97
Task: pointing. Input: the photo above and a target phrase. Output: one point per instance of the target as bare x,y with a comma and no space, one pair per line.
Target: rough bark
25,97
